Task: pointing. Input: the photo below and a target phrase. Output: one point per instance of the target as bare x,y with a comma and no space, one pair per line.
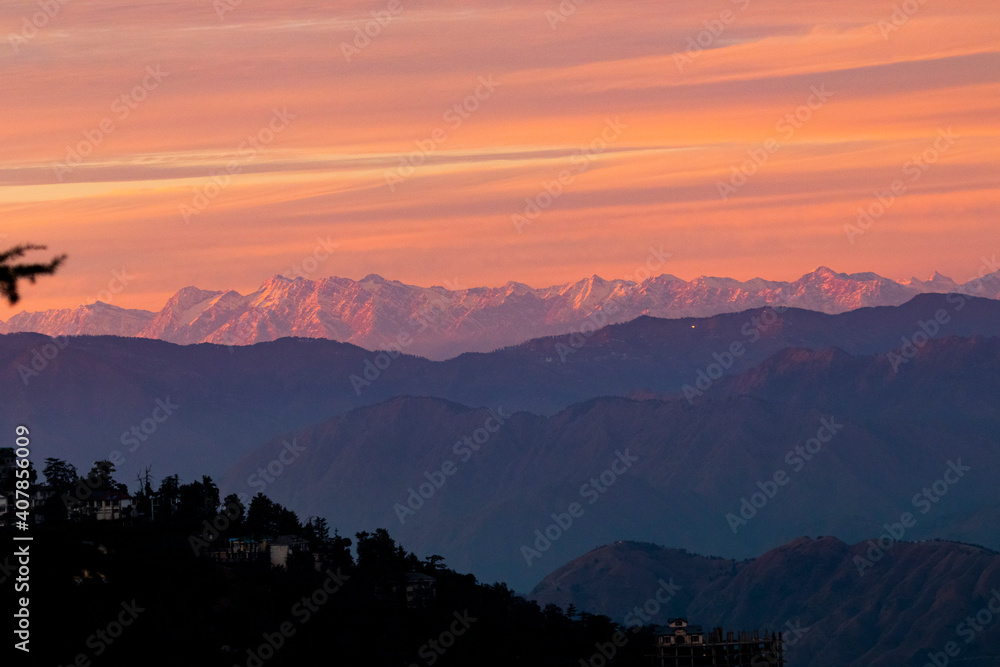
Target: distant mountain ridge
699,463
442,322
923,596
357,456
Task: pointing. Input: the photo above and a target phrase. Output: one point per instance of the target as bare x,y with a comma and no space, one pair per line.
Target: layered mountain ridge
915,600
358,457
440,323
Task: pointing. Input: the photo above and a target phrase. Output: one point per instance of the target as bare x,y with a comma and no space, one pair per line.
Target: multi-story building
240,551
252,551
688,646
109,506
37,494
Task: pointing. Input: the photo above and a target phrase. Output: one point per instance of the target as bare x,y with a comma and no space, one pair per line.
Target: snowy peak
189,297
436,322
824,273
939,278
179,313
714,282
940,281
95,319
589,291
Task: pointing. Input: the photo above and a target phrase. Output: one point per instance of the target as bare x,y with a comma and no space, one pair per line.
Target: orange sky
200,78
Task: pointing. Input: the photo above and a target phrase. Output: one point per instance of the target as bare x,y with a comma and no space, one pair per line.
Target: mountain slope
912,602
730,475
86,392
700,462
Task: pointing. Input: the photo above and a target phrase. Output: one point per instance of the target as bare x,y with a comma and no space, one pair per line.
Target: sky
217,143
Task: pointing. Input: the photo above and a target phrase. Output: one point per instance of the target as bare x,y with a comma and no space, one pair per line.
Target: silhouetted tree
370,621
317,532
167,496
101,478
338,554
379,555
198,501
266,517
145,495
554,617
237,514
62,477
10,273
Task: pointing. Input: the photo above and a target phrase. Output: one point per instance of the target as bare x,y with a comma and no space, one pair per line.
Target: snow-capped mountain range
439,323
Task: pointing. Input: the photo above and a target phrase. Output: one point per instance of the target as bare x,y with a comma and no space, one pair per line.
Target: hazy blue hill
909,603
696,463
233,398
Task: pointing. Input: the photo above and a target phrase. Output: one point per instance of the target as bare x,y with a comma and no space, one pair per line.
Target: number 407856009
23,473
